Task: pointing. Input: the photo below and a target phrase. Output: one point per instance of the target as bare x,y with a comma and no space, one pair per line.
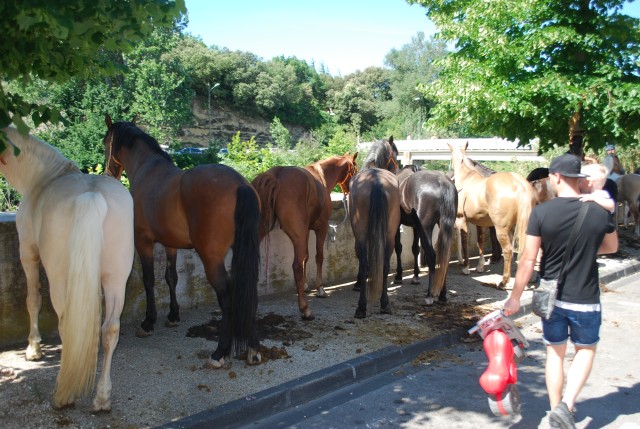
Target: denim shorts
583,327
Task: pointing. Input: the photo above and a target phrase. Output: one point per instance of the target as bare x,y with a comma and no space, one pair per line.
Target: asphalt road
441,390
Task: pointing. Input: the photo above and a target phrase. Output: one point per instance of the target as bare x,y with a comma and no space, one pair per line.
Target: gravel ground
163,377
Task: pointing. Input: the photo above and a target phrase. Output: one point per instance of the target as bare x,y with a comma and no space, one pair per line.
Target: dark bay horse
374,212
80,226
503,200
300,200
629,195
210,208
427,198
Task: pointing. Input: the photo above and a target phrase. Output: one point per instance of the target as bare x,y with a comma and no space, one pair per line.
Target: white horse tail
79,324
526,201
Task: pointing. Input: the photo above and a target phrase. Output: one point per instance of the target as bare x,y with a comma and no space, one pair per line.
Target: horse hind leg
171,277
320,239
505,239
415,248
300,257
145,251
481,260
30,265
219,279
398,250
114,291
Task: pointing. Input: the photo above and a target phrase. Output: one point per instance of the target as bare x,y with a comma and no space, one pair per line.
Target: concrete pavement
612,389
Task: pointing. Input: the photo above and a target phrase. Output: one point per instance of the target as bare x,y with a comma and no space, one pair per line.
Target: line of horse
85,228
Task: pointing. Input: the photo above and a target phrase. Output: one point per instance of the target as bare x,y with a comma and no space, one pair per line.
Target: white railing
486,149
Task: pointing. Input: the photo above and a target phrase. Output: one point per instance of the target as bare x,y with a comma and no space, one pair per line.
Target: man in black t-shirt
578,297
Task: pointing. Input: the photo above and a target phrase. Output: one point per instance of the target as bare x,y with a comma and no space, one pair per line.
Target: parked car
223,151
191,151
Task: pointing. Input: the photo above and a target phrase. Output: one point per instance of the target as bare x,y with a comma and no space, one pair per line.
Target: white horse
80,227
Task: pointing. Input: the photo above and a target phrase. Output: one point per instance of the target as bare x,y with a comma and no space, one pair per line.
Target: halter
352,171
391,160
111,157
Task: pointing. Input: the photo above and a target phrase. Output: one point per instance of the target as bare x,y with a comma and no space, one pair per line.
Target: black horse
427,198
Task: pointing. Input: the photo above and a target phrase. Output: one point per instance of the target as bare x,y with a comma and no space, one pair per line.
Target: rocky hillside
225,123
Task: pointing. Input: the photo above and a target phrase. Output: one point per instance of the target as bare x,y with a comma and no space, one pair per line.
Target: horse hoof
63,405
428,300
386,309
415,281
141,333
253,357
479,270
321,293
215,364
307,317
169,324
360,314
356,287
395,282
33,353
465,271
101,406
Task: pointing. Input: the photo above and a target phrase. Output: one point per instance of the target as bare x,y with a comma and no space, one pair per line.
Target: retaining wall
340,266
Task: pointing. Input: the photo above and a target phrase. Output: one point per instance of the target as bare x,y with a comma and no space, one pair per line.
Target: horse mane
380,153
476,166
37,152
126,133
317,171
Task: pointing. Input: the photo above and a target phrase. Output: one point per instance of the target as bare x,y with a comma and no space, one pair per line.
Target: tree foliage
521,69
75,39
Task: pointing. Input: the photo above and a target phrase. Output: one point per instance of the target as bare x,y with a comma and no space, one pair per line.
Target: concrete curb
304,389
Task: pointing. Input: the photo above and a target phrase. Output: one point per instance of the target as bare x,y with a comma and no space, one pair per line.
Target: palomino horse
210,208
503,200
81,227
629,194
374,212
300,199
462,236
427,198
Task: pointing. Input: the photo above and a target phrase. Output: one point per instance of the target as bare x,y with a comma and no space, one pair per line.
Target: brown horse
374,212
300,199
503,200
210,208
629,194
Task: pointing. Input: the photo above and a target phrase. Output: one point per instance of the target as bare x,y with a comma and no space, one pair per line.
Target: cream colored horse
629,195
80,227
503,200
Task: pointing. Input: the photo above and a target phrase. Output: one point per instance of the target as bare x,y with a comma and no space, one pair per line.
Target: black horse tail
244,269
376,241
448,211
267,187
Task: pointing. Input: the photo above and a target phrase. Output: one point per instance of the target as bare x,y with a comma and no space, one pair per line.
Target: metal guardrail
486,149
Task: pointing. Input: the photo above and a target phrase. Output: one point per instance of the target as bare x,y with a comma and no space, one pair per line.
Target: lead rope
333,229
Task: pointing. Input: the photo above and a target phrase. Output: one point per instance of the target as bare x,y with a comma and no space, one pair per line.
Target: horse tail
526,201
267,186
448,212
79,323
245,264
376,240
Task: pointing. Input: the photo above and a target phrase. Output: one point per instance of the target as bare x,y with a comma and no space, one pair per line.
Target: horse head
352,170
383,154
113,167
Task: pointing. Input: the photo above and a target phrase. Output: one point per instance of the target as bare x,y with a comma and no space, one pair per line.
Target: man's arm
525,269
609,244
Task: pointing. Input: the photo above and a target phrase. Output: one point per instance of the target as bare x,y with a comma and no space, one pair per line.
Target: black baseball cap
567,165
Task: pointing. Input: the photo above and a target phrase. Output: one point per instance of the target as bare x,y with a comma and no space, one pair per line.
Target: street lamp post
209,89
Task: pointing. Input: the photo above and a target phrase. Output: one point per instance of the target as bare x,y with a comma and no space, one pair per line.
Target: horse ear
390,139
133,120
108,121
466,145
355,155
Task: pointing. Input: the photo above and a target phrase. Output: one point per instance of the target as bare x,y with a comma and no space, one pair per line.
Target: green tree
57,41
280,134
525,69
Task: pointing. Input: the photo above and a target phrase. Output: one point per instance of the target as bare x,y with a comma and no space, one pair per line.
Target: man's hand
511,306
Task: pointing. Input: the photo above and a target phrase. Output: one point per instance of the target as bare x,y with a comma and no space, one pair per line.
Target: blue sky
344,35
